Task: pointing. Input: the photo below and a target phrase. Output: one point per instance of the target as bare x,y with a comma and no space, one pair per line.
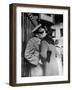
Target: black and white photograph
41,45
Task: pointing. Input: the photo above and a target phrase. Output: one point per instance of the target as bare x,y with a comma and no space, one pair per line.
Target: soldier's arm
31,54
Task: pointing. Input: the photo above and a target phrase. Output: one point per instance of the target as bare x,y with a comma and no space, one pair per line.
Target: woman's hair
38,31
48,39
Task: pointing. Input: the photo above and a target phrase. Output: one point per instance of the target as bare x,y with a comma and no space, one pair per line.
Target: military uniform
32,55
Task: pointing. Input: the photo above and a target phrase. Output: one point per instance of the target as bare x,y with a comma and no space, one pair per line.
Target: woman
48,54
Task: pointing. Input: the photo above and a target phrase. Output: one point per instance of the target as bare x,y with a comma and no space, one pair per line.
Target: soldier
32,51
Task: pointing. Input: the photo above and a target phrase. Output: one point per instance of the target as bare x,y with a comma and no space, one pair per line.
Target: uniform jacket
32,55
32,50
